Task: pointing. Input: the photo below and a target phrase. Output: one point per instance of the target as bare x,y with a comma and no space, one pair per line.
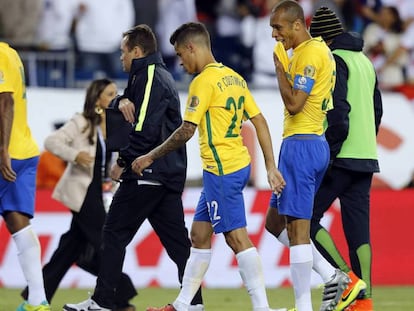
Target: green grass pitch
386,298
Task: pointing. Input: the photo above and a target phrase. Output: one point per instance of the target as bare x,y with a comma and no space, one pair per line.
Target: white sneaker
198,307
333,290
87,305
283,309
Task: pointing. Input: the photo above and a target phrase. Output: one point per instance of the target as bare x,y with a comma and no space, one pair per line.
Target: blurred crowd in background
67,43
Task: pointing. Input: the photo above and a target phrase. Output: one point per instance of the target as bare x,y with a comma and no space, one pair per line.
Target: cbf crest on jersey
309,71
194,102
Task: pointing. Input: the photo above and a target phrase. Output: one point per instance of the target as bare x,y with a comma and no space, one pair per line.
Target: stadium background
149,265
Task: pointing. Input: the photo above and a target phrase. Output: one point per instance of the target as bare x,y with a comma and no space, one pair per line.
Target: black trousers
131,205
353,191
81,245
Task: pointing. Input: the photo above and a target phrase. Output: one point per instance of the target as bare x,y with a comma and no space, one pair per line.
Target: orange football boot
361,305
356,288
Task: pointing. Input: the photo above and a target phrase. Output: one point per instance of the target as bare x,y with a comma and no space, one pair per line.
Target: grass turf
393,298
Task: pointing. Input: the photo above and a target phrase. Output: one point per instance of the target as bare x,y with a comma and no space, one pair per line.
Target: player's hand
116,172
281,54
276,181
278,64
127,108
5,167
84,159
141,163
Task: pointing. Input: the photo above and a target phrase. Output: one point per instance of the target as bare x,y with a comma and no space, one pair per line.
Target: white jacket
66,143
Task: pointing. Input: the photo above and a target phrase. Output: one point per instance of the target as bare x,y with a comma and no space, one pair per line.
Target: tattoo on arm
175,140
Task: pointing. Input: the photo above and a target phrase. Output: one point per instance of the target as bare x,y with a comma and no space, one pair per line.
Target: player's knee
275,224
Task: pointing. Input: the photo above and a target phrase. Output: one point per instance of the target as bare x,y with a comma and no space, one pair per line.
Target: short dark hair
141,36
196,31
292,9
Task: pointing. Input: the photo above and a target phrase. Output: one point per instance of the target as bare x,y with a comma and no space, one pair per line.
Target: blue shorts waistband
305,137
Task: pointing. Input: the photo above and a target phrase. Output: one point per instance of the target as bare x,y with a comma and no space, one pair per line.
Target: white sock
195,269
320,264
300,269
28,252
251,271
283,238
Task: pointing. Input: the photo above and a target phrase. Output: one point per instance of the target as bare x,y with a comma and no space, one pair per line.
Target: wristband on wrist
121,162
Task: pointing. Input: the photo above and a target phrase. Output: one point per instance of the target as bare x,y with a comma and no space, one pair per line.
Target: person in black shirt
150,104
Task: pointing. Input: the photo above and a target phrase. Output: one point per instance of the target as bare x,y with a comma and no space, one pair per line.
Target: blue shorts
221,201
303,161
19,196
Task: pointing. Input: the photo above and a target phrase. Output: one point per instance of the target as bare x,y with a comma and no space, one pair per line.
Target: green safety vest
361,140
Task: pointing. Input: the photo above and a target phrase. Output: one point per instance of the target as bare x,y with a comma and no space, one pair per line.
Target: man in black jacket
352,128
150,104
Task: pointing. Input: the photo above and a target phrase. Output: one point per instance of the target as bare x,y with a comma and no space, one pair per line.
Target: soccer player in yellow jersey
218,102
19,155
306,85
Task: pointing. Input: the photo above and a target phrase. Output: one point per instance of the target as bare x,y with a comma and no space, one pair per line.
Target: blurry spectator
54,29
227,44
18,22
54,36
207,14
50,167
248,14
366,12
405,7
171,14
97,37
382,38
307,6
146,12
227,40
406,45
263,66
347,13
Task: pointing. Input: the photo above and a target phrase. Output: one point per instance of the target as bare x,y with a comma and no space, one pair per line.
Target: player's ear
297,24
191,47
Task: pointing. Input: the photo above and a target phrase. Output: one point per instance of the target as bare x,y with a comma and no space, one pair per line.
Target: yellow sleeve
281,53
6,84
198,101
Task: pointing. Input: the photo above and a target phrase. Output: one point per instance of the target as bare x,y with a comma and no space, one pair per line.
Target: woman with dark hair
81,143
382,40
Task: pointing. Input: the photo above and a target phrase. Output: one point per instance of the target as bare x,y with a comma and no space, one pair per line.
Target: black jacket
338,118
157,109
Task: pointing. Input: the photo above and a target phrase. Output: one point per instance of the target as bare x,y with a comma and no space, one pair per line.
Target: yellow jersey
218,103
311,69
282,54
22,145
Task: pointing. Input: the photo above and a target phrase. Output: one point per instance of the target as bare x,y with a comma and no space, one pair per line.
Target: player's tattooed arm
174,141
